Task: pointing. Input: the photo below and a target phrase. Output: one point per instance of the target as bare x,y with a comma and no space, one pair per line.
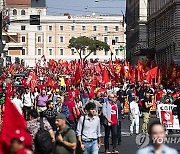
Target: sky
85,7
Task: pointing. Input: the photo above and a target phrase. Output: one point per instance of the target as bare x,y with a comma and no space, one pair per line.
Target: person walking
88,130
134,115
110,113
65,136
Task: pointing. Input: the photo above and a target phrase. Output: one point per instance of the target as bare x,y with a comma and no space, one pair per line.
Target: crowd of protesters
73,111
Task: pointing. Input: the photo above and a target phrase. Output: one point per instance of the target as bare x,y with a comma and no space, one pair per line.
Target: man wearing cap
88,130
65,136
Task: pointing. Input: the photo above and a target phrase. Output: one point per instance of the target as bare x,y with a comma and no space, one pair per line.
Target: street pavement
128,144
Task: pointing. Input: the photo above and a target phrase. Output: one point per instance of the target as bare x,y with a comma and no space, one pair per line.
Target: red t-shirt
70,105
113,114
74,93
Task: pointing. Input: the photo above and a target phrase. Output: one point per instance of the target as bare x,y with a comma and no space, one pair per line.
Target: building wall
163,29
50,27
136,14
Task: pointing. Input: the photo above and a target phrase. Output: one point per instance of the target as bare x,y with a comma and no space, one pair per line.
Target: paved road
128,144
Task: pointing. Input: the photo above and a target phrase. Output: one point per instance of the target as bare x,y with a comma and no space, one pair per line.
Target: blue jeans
91,147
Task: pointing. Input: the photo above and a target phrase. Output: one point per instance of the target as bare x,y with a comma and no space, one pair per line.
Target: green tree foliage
85,43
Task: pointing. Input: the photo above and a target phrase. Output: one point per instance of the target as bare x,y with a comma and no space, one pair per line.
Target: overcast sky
85,7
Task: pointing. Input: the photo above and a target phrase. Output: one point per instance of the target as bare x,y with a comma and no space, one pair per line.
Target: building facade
164,29
136,31
51,37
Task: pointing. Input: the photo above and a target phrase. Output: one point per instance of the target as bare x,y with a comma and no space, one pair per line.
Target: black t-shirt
144,109
121,95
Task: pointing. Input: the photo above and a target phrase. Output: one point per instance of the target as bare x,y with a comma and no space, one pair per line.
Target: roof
18,2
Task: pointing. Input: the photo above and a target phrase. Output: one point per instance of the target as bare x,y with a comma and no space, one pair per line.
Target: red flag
152,74
140,71
12,121
159,77
33,82
49,82
117,67
105,76
133,76
78,75
43,58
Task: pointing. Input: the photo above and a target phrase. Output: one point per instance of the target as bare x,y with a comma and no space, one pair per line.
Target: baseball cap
61,116
23,136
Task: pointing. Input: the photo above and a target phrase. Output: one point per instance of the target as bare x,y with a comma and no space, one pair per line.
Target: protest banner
166,116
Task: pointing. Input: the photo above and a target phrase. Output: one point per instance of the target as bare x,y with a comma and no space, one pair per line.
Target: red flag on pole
152,74
12,121
105,76
78,75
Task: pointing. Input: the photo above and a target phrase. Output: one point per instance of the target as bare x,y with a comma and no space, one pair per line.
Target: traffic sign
121,48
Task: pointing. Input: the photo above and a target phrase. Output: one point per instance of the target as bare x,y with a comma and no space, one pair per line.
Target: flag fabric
77,75
133,76
140,71
105,76
117,67
159,77
12,121
152,74
33,81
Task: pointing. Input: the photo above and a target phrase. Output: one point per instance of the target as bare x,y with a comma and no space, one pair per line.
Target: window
23,27
95,38
39,27
61,39
94,28
83,28
50,52
117,51
84,51
72,52
106,39
50,39
50,28
61,51
23,39
61,28
116,39
106,28
15,12
94,53
106,52
116,28
72,28
23,12
39,40
23,52
39,51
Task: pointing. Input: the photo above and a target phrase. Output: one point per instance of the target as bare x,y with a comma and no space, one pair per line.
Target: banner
166,116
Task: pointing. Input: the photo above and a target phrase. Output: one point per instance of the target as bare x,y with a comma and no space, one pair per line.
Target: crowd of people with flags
73,100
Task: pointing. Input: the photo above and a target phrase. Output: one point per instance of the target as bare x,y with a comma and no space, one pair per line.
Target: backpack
43,141
65,110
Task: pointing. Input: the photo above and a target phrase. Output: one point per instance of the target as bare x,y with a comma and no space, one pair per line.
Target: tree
81,43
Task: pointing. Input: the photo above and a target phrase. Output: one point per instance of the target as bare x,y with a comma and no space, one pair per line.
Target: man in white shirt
27,99
134,116
18,103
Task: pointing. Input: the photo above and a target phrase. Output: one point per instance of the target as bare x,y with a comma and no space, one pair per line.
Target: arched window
14,12
23,12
